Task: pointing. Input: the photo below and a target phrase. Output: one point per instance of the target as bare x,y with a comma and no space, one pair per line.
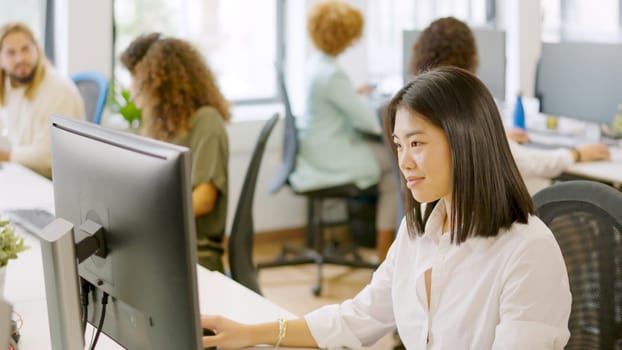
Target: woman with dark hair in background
473,268
445,42
449,41
181,104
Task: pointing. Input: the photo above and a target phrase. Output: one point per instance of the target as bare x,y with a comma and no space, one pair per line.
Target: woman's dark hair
488,193
445,42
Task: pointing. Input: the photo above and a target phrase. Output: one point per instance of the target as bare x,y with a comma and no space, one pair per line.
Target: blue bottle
519,113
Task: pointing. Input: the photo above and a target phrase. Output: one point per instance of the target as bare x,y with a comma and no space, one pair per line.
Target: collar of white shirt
434,230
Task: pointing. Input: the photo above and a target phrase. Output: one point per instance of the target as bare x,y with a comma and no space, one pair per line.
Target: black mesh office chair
240,247
316,250
93,88
586,219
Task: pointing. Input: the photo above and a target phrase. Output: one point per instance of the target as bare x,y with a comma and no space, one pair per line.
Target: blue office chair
93,88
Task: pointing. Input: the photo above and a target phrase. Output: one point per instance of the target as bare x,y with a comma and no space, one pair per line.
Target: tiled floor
290,287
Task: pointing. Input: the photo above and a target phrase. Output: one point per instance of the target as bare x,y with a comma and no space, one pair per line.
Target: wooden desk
25,287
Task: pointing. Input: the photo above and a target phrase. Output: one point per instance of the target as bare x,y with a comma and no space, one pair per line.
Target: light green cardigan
331,150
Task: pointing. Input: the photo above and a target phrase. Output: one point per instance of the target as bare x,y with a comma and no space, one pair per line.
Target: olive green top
209,146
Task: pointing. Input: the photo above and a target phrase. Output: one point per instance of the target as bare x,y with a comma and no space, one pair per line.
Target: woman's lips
412,181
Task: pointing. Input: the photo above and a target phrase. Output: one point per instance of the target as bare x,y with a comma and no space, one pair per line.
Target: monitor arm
93,243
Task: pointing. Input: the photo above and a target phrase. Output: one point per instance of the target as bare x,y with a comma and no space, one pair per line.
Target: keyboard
32,220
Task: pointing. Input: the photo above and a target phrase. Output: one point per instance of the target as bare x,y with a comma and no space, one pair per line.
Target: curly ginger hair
174,80
334,25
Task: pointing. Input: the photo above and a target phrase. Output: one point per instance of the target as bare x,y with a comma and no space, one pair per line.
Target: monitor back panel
580,80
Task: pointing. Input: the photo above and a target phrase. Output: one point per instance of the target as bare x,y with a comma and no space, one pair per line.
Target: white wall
84,36
272,212
522,21
354,60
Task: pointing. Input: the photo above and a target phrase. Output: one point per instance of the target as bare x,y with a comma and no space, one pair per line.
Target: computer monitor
580,80
491,51
139,191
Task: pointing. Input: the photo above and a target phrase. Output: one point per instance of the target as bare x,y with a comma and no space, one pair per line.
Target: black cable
84,298
101,320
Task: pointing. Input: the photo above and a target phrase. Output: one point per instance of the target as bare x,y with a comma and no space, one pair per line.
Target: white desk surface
572,132
25,288
600,171
22,188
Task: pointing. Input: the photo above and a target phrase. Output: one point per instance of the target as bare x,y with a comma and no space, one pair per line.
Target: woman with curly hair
181,104
333,151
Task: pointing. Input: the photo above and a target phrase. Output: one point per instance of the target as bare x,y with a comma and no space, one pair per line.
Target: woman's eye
397,145
415,144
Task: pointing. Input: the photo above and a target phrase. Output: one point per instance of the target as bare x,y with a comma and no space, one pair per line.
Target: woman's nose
405,161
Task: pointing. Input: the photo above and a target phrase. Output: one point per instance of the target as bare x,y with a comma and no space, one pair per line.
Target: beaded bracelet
282,332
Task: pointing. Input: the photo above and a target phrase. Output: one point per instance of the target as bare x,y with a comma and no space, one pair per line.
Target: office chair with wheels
93,88
316,251
240,246
586,219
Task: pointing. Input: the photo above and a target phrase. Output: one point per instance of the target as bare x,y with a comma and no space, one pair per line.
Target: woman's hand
365,90
517,135
597,151
232,335
228,334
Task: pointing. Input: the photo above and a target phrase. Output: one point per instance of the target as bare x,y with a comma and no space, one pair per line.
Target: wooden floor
290,287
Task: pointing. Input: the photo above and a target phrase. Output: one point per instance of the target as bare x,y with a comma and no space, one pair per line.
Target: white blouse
539,166
504,292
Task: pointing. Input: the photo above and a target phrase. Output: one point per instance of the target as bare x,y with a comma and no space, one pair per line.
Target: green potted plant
10,243
120,101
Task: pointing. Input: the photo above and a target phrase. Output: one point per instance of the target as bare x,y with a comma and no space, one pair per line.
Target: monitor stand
61,285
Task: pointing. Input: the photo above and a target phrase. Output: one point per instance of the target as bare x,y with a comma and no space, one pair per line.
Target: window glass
30,12
237,38
581,20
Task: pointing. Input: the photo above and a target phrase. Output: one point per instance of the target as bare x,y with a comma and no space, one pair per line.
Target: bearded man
31,91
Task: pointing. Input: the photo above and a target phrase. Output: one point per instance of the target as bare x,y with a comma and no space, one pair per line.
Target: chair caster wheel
317,290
